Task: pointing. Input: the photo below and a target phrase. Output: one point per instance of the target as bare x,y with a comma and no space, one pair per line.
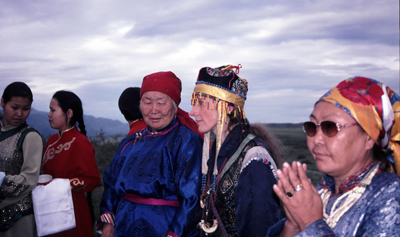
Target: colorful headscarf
226,88
168,83
375,107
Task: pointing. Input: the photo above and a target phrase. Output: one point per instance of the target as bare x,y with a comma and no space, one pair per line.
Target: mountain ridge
93,125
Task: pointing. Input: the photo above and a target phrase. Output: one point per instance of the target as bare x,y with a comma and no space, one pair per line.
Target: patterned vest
11,161
225,201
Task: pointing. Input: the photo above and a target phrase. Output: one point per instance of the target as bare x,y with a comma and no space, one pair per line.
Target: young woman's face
57,117
206,115
16,111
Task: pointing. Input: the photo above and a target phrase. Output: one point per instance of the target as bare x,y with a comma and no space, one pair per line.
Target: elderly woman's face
343,154
157,109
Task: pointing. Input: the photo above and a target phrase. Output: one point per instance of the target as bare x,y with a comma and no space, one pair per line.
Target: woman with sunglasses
353,135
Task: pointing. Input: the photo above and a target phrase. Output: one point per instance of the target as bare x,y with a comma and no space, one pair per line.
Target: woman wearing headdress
152,186
70,155
21,149
354,137
238,172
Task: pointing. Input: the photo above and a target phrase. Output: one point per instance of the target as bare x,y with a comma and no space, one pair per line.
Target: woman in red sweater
70,155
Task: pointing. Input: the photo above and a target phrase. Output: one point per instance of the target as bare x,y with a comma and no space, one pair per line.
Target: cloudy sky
291,51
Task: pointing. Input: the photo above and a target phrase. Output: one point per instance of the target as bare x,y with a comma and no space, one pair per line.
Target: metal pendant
206,227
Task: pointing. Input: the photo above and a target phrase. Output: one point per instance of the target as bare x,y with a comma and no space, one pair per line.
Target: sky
291,52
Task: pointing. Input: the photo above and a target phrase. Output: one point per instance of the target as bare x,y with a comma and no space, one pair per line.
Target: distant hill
110,127
40,121
284,125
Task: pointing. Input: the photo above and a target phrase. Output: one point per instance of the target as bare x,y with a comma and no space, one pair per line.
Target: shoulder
186,133
33,135
260,155
28,130
386,182
383,192
257,151
29,134
82,140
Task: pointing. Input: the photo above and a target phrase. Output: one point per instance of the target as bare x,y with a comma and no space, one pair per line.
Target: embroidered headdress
375,107
229,91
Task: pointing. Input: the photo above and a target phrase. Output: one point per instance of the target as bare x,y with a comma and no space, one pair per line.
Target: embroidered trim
51,151
259,153
265,161
77,184
108,217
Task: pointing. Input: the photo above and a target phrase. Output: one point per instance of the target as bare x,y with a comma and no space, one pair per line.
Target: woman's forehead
154,95
324,110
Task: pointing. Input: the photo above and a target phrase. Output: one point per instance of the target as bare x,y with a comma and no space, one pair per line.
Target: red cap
165,82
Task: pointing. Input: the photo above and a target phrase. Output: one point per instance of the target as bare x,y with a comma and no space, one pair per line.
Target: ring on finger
298,187
289,194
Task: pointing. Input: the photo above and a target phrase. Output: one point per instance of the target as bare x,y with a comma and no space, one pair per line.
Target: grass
291,136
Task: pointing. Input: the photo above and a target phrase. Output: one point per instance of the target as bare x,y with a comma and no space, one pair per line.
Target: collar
10,127
351,182
65,131
168,128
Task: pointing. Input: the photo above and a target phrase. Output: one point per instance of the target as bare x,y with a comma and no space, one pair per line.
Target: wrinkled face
158,109
343,154
206,115
16,110
57,117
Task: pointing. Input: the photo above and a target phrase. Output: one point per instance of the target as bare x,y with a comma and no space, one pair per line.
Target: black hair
381,156
17,89
259,130
129,103
68,100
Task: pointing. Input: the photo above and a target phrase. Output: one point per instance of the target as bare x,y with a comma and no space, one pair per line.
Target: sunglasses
329,128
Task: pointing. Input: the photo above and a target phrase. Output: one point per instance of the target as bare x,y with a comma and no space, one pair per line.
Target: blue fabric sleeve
257,206
382,216
110,198
276,229
188,180
317,228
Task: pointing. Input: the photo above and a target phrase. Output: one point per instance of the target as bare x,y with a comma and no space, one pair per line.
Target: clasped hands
300,199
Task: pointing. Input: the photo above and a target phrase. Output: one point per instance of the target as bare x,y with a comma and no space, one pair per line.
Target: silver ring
298,187
289,194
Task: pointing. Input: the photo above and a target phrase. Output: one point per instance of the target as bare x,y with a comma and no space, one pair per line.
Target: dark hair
261,131
129,103
381,156
17,89
68,100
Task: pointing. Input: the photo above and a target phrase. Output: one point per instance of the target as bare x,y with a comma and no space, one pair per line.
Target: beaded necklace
351,196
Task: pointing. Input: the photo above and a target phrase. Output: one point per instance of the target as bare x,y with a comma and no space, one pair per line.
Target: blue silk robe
376,213
161,166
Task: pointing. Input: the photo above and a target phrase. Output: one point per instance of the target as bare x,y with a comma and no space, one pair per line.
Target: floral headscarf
375,107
